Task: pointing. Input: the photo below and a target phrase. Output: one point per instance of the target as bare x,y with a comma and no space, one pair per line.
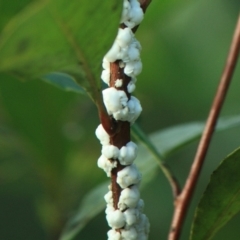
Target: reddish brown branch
108,122
144,4
122,137
119,140
119,131
183,200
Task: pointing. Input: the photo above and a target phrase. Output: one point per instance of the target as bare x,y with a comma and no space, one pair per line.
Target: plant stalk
183,200
119,131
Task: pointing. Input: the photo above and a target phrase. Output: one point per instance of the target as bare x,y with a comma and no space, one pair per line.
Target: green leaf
92,204
36,113
14,160
171,139
59,36
220,201
64,82
8,11
139,135
167,142
37,110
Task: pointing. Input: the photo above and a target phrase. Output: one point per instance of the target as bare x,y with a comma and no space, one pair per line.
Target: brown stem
173,181
144,4
122,137
113,127
119,131
108,123
119,140
183,200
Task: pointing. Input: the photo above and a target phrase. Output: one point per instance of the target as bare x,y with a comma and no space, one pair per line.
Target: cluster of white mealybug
127,221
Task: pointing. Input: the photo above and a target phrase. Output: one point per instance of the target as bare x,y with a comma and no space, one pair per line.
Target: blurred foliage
47,36
166,142
220,201
48,150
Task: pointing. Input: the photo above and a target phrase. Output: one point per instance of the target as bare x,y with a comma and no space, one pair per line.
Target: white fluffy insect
116,219
106,164
114,100
131,86
131,216
129,198
118,83
128,176
102,135
124,37
109,198
127,221
128,153
129,234
132,13
114,235
143,225
133,68
110,151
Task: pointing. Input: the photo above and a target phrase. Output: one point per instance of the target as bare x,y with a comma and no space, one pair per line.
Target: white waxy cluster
128,153
102,135
129,198
118,105
128,176
127,219
106,164
127,49
132,13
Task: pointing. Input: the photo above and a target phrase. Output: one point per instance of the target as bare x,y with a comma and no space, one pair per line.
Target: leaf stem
183,200
141,137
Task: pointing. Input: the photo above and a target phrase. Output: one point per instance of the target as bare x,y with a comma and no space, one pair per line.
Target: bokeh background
48,150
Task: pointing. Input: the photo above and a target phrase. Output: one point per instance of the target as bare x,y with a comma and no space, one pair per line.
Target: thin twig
143,138
183,200
165,169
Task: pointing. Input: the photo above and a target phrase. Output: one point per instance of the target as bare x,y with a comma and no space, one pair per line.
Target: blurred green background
48,149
